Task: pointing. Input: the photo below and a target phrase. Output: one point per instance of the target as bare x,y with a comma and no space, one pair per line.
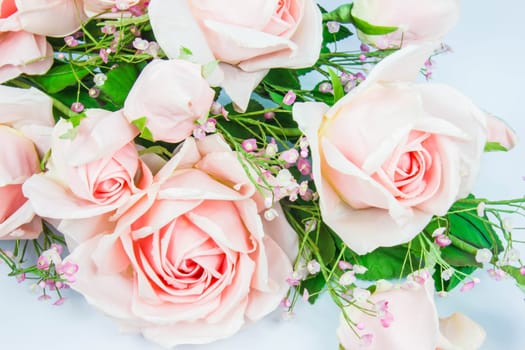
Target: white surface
489,46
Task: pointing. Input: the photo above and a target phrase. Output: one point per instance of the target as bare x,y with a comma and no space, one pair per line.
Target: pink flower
413,322
190,260
25,125
392,153
23,27
93,170
248,38
417,20
172,95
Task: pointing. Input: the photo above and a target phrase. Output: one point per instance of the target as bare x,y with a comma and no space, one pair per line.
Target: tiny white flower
483,255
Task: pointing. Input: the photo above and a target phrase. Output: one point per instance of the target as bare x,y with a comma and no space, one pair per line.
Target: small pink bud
269,115
104,54
293,281
360,326
216,108
522,270
21,277
77,107
289,98
306,295
42,263
210,125
249,145
44,297
344,265
362,57
59,302
70,41
140,44
304,166
286,303
109,29
442,241
290,156
198,132
367,339
364,48
326,88
333,27
94,92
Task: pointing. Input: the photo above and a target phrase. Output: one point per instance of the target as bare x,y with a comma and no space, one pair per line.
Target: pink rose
23,27
190,260
93,170
172,95
392,153
405,317
248,38
25,115
418,20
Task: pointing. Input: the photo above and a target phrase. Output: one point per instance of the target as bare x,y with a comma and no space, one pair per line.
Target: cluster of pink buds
208,127
56,274
385,316
135,10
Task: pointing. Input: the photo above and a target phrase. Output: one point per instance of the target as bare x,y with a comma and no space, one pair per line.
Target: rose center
12,199
285,18
7,8
108,188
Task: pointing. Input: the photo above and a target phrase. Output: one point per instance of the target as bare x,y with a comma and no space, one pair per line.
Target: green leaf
371,29
69,135
314,286
342,14
119,82
59,77
494,147
76,119
326,244
336,85
385,263
145,133
285,78
457,257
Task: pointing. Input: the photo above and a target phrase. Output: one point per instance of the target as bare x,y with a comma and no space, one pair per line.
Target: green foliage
336,85
387,263
370,29
119,82
284,78
59,77
145,133
516,274
494,147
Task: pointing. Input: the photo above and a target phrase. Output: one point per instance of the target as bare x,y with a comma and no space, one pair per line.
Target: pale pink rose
413,321
25,118
40,17
173,96
93,170
23,52
247,37
418,20
190,260
392,153
23,27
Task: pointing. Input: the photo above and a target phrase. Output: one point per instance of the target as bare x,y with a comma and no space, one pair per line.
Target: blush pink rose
23,27
190,260
25,120
173,96
392,153
92,170
247,38
413,321
418,20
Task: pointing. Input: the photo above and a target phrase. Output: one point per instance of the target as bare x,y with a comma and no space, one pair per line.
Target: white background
487,65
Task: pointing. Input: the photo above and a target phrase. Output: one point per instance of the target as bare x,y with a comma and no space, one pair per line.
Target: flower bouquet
191,166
